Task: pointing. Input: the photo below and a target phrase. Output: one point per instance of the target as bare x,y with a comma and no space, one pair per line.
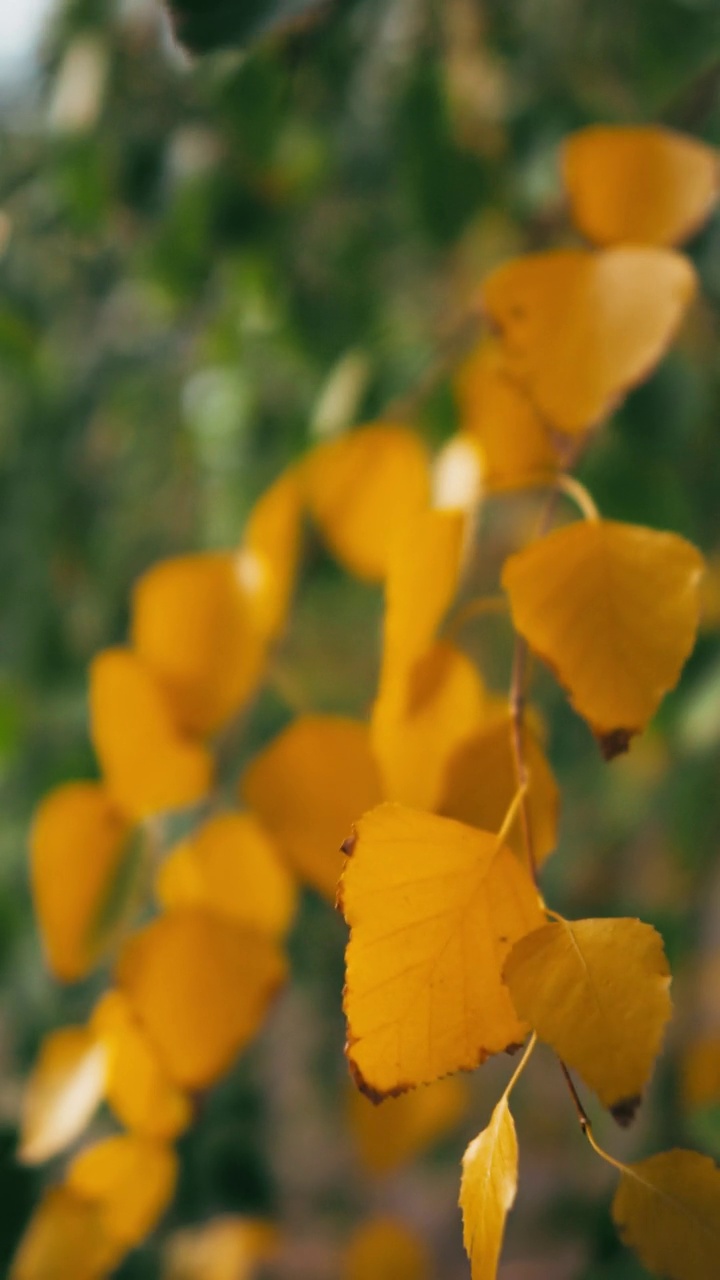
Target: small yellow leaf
701,1072
76,847
62,1094
149,767
487,1191
225,1248
667,1209
639,184
598,992
423,577
418,723
200,986
581,328
613,608
434,908
193,628
308,786
267,559
233,867
515,445
361,489
130,1179
386,1250
138,1090
481,780
65,1237
402,1128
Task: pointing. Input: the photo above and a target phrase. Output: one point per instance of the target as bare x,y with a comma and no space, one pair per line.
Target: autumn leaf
62,1093
581,328
362,488
487,1190
613,608
227,1247
308,786
631,184
386,1250
701,1071
434,908
200,986
77,845
399,1130
667,1209
598,992
65,1236
137,1088
266,563
131,1179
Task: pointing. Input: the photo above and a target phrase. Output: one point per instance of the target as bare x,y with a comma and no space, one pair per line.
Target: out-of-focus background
206,266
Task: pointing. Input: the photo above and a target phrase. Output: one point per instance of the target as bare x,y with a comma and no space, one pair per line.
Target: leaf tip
615,743
624,1111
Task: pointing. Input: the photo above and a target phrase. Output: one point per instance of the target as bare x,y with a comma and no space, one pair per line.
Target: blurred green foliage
205,260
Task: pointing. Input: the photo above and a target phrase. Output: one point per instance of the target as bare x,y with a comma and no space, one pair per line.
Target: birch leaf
487,1191
667,1209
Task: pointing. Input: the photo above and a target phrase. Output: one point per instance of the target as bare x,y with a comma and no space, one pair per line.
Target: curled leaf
488,1189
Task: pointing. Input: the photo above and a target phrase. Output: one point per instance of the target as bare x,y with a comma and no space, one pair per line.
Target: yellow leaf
192,626
386,1250
632,184
65,1088
267,560
200,986
76,847
701,1072
423,577
415,730
487,1191
581,328
613,608
233,867
458,475
598,992
148,766
402,1128
361,489
434,908
667,1209
225,1248
308,786
65,1237
515,445
131,1180
138,1090
481,780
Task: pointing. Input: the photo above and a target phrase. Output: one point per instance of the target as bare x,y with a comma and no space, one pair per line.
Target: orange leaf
667,1208
423,577
65,1237
434,908
148,766
200,986
193,628
361,489
581,328
63,1092
267,560
138,1090
488,1189
402,1128
701,1072
613,608
308,786
386,1250
230,866
631,184
130,1179
76,847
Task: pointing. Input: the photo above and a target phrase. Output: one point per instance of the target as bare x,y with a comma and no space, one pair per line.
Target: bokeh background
208,265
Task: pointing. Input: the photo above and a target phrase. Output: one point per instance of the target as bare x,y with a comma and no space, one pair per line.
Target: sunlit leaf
200,986
192,625
267,560
66,1236
631,184
613,608
62,1093
581,328
225,1248
401,1128
701,1071
514,443
487,1191
131,1180
434,908
148,766
233,867
481,780
308,786
77,845
386,1250
138,1090
361,489
598,992
667,1208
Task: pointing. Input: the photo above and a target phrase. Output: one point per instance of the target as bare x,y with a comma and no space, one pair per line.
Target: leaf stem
584,1122
521,1065
573,489
509,818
